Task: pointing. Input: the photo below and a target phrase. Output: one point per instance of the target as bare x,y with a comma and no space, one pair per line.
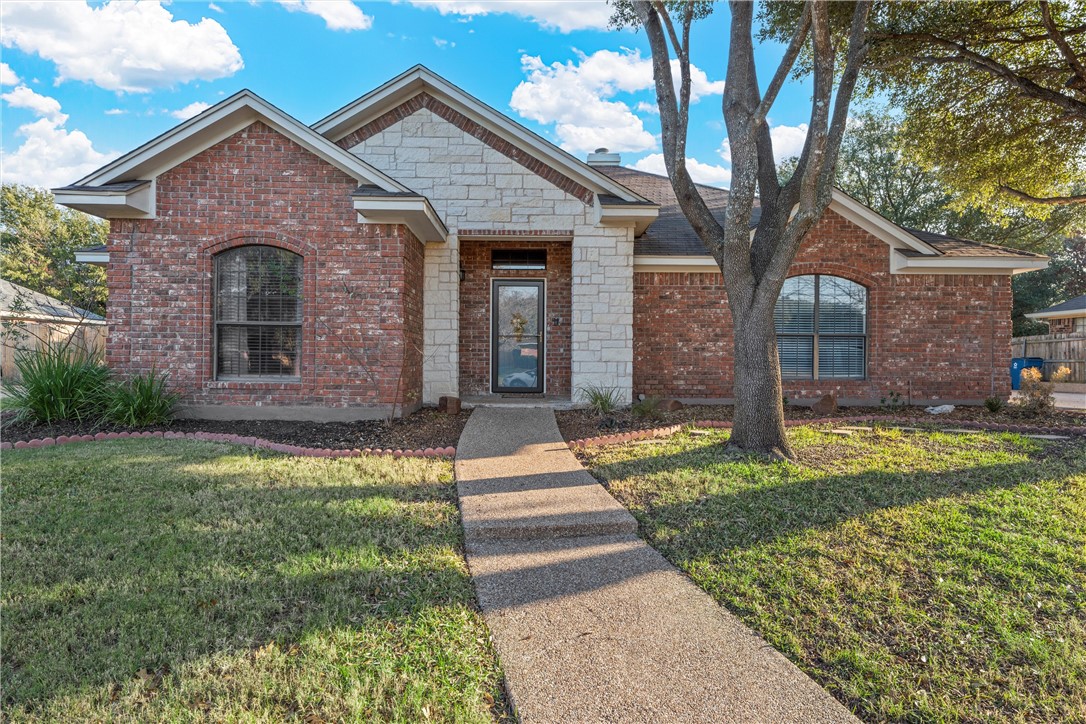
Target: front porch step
552,403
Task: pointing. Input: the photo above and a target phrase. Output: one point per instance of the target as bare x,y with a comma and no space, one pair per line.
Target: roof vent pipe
602,157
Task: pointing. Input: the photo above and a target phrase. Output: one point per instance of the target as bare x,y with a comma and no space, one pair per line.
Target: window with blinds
821,324
258,313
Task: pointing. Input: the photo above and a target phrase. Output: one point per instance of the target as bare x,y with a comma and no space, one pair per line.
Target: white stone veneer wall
473,186
603,309
441,322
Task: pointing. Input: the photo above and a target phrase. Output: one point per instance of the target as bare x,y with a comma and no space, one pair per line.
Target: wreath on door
519,323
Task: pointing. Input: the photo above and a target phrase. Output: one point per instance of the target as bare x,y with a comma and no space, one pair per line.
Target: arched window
258,313
821,326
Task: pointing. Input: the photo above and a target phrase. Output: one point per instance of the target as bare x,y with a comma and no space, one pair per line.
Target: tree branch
1061,42
992,67
673,123
1046,200
799,37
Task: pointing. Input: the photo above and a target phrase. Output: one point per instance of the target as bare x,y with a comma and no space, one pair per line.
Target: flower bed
255,442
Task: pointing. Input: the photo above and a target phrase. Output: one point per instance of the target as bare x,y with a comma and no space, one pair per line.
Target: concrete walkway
590,623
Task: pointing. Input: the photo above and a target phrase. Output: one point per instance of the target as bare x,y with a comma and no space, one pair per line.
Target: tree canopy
38,240
993,94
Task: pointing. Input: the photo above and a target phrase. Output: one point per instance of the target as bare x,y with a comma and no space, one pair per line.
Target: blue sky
84,82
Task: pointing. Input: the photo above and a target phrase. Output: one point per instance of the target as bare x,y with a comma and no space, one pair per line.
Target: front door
516,350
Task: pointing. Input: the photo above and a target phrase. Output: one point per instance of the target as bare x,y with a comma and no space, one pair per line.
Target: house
1065,317
30,320
418,243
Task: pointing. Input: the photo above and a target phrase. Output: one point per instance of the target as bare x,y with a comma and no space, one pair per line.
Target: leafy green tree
1065,278
993,94
38,240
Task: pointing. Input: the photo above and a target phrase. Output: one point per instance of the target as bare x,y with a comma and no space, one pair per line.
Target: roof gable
212,126
420,87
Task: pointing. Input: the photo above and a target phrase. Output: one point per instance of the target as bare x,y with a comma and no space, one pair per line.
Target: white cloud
702,173
44,106
442,43
336,14
51,155
7,75
560,15
787,142
577,96
650,108
573,95
700,85
120,45
215,8
116,112
190,110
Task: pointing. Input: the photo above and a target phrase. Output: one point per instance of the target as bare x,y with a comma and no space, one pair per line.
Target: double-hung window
258,313
821,323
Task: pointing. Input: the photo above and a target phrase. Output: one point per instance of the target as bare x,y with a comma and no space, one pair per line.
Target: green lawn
934,577
176,580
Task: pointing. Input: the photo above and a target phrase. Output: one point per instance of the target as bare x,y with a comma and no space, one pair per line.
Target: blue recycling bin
1020,363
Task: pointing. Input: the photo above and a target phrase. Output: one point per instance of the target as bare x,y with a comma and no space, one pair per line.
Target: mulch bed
422,429
581,424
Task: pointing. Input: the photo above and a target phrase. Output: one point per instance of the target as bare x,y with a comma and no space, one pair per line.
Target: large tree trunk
755,266
759,414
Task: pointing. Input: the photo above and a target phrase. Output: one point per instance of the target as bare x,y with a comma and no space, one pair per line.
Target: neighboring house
29,319
1065,317
417,243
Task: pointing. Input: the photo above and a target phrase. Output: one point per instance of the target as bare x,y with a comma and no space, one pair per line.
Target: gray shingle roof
1078,304
672,235
37,305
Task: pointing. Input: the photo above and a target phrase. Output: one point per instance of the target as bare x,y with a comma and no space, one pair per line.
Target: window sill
270,383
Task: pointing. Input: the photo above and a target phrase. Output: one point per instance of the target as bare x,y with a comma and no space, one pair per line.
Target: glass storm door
516,361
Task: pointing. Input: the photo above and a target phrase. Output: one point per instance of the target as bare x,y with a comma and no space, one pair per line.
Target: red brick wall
258,187
475,311
1060,326
929,336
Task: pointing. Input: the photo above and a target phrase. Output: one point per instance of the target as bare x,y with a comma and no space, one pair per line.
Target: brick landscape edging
255,442
669,430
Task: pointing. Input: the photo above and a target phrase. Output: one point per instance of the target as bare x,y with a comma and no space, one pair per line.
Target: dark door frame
541,349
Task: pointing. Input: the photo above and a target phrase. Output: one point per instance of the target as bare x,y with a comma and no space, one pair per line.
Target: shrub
57,383
646,409
893,401
142,400
994,404
601,400
1036,394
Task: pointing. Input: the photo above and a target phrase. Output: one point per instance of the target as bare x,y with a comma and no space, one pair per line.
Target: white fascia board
405,86
662,263
641,217
966,265
1065,314
414,212
877,225
222,121
92,257
137,203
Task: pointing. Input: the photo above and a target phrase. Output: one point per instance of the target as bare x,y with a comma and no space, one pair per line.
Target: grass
178,580
933,577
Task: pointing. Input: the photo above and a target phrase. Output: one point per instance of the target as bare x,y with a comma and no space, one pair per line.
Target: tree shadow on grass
157,556
755,502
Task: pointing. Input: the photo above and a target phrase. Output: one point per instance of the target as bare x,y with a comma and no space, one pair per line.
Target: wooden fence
17,335
1058,350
